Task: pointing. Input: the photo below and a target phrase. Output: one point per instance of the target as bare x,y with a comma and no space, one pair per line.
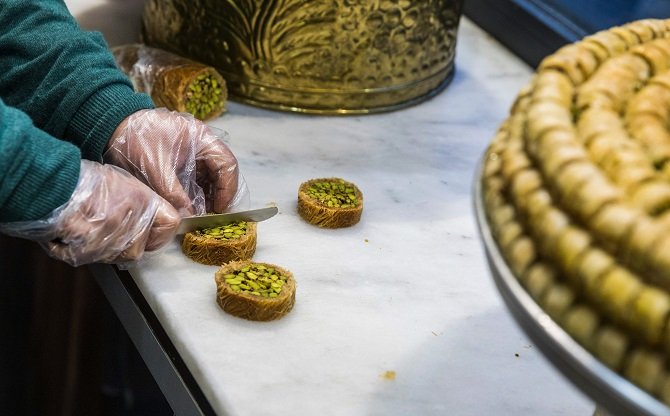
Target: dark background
533,29
63,352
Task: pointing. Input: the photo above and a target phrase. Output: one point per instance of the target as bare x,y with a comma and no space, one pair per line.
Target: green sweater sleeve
57,82
38,173
64,78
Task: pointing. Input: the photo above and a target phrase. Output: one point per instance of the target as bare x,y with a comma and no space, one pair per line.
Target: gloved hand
180,158
110,217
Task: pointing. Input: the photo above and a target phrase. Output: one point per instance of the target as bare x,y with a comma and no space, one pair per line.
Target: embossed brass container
315,56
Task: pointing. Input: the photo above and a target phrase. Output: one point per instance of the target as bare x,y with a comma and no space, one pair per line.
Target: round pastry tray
610,391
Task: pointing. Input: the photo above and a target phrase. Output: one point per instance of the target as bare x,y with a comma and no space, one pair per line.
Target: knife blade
198,222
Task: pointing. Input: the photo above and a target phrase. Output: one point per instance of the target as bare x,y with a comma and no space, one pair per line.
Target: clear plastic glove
180,158
111,217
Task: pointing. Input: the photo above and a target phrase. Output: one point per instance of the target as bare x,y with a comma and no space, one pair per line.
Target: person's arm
67,81
38,173
80,211
64,78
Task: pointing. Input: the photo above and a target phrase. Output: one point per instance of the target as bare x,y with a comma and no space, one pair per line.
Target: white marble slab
406,290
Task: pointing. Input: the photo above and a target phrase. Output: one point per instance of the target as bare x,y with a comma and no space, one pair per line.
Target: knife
198,222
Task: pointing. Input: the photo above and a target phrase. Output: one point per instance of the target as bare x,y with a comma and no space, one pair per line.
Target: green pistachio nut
257,280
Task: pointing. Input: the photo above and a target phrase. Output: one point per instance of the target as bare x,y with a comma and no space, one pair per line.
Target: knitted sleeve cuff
96,119
42,174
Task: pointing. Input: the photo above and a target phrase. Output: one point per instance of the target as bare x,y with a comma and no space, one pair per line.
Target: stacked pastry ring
576,188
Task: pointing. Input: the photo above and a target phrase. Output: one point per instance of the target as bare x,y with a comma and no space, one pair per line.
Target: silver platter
609,390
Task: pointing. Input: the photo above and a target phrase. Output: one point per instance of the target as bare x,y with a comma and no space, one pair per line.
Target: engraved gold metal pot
315,56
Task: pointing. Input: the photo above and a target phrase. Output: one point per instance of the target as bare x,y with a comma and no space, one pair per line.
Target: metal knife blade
198,222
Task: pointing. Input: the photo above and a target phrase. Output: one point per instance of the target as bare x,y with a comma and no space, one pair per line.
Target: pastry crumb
389,375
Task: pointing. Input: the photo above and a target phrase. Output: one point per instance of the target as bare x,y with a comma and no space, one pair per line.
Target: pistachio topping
334,194
256,279
204,96
230,231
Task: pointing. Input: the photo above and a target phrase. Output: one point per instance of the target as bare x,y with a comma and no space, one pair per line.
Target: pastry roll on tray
578,196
